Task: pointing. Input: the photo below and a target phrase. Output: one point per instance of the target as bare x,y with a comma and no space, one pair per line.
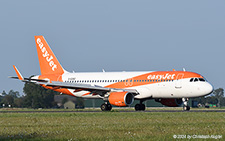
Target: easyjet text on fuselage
167,76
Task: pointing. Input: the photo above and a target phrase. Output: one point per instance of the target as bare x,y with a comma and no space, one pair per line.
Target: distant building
68,102
59,99
69,105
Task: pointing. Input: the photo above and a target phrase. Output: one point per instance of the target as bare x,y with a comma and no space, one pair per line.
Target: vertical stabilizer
47,60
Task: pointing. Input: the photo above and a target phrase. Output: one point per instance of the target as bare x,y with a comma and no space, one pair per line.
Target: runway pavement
96,111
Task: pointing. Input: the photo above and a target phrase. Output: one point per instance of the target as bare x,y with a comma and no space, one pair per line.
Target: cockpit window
191,80
196,79
201,79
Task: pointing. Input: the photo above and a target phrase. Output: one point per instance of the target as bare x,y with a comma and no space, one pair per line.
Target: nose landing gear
185,107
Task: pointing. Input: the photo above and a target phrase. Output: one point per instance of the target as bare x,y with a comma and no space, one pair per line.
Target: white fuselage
174,88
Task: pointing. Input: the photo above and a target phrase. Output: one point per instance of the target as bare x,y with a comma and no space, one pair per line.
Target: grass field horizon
109,125
114,109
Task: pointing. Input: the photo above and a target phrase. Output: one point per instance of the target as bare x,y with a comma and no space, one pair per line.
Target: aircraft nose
209,88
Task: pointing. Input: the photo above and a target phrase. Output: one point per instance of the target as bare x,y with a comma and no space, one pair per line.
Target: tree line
217,98
36,96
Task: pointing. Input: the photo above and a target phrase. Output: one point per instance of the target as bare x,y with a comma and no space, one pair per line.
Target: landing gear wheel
139,107
106,107
109,107
186,108
142,107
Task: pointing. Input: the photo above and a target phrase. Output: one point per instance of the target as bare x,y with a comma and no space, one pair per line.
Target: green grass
109,125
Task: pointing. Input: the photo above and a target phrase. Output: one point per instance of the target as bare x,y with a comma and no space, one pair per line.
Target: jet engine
172,102
121,98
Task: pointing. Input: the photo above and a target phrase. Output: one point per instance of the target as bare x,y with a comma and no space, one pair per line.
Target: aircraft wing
84,87
74,86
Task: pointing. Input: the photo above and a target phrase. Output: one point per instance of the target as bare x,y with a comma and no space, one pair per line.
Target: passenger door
178,81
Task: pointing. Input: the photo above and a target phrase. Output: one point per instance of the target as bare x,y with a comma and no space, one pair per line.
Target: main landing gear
106,107
140,107
185,107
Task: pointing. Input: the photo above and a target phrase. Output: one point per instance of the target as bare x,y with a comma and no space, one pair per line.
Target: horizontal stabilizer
29,79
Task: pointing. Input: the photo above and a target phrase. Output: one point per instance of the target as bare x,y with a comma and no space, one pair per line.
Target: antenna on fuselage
184,69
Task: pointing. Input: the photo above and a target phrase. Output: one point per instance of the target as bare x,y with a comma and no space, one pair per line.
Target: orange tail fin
47,60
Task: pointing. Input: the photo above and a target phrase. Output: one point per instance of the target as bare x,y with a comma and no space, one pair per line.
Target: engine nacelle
121,99
172,102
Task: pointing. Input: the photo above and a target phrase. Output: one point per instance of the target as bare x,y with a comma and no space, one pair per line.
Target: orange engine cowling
121,98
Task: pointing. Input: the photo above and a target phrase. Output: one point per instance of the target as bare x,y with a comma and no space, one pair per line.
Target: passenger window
191,80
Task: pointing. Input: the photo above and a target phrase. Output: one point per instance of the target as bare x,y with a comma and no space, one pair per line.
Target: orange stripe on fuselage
154,77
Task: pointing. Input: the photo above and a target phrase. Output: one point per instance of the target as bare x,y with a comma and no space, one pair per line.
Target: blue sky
114,35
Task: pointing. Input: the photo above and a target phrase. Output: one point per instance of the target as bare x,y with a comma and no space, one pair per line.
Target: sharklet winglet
18,73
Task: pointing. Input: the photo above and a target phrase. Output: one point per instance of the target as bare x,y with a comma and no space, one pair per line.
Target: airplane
170,88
